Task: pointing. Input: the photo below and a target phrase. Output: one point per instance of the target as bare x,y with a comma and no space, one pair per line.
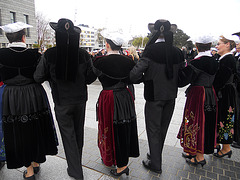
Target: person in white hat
117,124
68,70
159,68
27,120
227,95
199,126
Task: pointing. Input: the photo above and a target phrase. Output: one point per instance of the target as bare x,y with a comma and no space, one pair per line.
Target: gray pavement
174,166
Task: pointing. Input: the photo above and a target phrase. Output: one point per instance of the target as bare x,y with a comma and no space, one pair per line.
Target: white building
88,37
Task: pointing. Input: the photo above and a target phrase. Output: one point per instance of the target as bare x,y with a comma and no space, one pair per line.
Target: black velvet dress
227,96
27,120
198,131
117,128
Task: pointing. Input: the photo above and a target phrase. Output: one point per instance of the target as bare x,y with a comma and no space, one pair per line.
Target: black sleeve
91,76
136,74
42,71
185,76
226,69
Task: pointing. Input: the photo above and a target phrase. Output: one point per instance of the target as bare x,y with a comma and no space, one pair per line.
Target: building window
12,17
27,22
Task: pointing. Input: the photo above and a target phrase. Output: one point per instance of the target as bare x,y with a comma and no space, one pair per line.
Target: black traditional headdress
165,29
67,44
237,33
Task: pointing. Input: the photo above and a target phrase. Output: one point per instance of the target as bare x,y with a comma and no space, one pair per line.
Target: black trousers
70,120
158,115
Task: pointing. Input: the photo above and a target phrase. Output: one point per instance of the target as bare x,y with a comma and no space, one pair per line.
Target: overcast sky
194,17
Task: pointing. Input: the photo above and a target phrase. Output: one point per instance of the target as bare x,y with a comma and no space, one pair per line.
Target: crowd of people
27,131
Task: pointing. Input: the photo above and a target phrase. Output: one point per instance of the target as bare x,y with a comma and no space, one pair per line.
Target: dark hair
114,47
203,47
16,37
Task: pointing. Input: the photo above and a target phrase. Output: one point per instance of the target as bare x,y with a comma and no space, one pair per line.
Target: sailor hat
116,37
15,27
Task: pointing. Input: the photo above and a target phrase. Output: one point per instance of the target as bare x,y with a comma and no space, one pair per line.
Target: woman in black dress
26,116
226,93
197,133
117,124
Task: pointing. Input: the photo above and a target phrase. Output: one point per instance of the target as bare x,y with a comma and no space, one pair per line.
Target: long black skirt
125,127
28,125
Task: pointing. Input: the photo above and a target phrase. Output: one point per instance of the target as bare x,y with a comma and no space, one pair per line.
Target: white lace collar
17,44
225,55
205,53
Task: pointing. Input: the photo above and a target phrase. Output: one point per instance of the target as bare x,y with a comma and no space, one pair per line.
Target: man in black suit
159,64
68,69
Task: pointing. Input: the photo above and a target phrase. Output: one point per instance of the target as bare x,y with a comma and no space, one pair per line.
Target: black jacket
66,92
157,86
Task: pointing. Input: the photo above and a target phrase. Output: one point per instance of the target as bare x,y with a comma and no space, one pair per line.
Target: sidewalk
174,166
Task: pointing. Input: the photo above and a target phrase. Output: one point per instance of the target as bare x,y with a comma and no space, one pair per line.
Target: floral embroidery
186,121
233,117
2,149
225,136
221,125
190,131
226,130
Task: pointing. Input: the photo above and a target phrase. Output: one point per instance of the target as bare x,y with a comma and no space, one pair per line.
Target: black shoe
114,172
30,177
229,154
235,145
203,162
188,156
218,147
148,156
36,169
147,164
2,164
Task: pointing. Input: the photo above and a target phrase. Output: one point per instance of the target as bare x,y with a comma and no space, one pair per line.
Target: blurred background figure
214,53
133,54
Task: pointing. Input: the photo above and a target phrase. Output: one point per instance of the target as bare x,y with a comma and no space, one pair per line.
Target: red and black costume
197,133
117,128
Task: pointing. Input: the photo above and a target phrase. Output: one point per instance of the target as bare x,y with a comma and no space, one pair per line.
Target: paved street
174,166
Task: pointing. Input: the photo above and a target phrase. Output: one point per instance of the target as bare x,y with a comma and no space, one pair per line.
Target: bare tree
45,33
100,38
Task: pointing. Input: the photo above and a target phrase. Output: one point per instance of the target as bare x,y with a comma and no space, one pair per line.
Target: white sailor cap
15,27
116,37
230,37
204,39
